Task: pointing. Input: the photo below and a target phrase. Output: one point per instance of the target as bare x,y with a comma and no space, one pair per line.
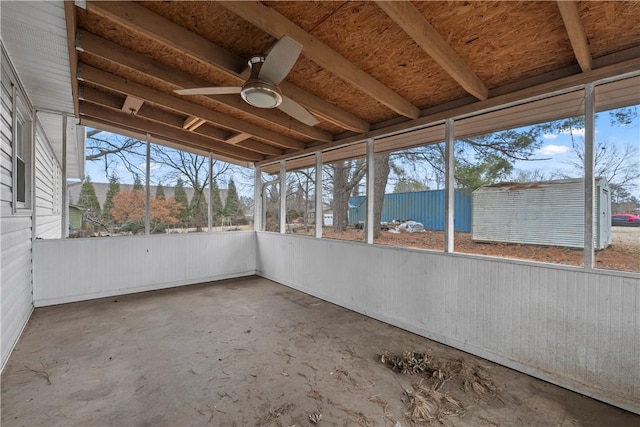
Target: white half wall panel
575,328
82,269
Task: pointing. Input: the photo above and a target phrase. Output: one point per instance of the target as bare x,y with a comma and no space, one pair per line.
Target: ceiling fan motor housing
257,92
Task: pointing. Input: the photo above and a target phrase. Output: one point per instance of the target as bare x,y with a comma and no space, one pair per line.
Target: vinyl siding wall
15,234
48,190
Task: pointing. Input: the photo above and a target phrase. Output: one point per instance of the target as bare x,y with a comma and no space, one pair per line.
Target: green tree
232,206
89,201
137,184
180,196
216,202
199,210
114,188
160,192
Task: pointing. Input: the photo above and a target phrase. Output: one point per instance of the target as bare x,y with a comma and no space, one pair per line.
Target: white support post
147,207
449,229
370,189
283,197
65,204
210,207
589,156
257,199
32,172
319,207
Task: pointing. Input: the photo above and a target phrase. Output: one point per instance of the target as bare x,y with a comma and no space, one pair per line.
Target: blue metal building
426,207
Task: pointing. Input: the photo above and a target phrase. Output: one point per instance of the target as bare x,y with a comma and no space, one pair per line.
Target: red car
626,220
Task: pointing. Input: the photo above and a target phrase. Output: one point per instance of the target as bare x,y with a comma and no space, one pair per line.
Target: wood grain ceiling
366,67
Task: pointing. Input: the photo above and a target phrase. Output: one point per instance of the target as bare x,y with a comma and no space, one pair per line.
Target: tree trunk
381,174
341,192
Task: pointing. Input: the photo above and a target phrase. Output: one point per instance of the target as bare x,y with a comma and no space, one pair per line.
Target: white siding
48,179
576,328
81,269
15,236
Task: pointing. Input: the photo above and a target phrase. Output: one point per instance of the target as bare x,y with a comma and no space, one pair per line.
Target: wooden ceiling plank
119,84
134,16
189,121
575,31
131,105
141,19
98,123
104,49
117,117
197,124
95,96
234,139
412,22
272,22
260,147
249,144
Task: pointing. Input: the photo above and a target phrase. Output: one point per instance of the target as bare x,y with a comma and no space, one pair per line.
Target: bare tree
618,164
346,175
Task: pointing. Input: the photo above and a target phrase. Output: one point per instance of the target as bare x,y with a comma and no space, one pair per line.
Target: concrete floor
244,352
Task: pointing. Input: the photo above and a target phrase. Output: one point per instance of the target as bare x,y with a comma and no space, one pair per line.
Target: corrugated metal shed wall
426,207
540,213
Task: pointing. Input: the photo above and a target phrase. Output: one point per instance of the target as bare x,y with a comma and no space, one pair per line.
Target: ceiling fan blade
297,111
208,91
280,60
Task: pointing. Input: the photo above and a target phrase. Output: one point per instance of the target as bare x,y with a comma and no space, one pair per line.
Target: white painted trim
449,207
371,176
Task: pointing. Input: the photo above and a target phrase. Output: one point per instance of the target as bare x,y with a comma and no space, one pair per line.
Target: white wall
575,328
81,269
15,232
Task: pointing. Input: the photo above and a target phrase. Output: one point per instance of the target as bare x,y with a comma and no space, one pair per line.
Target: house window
22,156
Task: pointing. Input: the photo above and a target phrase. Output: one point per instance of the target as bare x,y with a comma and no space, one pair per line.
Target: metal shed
540,213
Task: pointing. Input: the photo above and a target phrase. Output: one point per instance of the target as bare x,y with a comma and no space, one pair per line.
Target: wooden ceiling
366,67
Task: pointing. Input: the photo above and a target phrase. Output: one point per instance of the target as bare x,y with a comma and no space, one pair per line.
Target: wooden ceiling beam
131,105
575,31
189,121
95,96
105,125
144,21
238,138
104,49
118,117
272,22
628,66
174,103
112,101
412,22
249,144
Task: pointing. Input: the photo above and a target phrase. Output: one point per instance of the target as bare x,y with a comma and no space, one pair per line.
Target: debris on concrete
315,417
426,402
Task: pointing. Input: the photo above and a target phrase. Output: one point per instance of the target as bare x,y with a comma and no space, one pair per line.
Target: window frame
22,150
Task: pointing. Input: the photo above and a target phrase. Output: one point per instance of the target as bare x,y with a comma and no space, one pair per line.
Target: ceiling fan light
261,94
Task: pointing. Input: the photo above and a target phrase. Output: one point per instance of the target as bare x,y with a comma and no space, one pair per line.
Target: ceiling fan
261,88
